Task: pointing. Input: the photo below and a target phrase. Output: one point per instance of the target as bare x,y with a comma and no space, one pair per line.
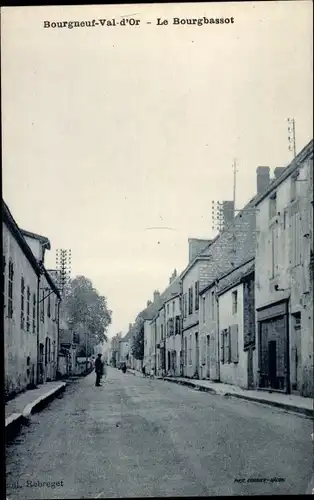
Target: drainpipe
218,335
58,333
38,329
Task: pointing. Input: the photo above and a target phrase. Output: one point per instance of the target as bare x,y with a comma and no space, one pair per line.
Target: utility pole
63,276
63,266
291,136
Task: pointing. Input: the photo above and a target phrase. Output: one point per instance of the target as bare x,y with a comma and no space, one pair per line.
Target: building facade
21,282
284,280
31,339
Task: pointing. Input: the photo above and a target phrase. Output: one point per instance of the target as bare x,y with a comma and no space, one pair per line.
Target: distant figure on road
123,367
143,371
98,369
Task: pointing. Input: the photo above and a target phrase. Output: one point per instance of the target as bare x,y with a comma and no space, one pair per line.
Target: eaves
225,275
294,165
8,218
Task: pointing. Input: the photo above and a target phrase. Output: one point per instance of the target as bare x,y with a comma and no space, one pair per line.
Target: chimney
173,276
156,295
149,302
262,179
130,326
228,212
196,246
278,171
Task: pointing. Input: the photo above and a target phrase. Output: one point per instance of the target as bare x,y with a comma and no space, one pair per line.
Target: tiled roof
235,277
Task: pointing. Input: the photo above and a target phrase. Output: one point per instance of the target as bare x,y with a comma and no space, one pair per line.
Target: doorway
196,355
272,363
208,355
250,377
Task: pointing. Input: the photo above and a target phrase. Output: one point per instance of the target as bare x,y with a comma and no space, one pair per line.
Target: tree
82,305
137,347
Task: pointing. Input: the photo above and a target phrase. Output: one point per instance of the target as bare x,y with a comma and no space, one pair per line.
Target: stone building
48,303
284,279
222,259
21,272
31,339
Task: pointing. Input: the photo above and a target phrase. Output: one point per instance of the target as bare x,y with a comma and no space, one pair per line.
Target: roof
234,278
52,283
43,240
244,268
8,218
127,337
294,165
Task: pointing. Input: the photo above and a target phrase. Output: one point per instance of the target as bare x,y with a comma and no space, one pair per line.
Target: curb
191,385
14,422
295,409
35,405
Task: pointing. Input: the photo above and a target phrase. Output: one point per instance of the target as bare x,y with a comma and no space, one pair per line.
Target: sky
108,132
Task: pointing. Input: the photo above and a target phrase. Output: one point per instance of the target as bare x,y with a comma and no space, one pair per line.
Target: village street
140,437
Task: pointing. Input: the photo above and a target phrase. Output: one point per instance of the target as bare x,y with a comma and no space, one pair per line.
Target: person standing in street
98,369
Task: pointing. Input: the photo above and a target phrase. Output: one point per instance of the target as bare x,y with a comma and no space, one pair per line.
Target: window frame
10,288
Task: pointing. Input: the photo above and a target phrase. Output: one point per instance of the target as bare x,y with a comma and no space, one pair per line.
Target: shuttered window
197,291
34,313
296,239
204,351
234,343
222,346
227,345
10,289
28,309
190,300
22,303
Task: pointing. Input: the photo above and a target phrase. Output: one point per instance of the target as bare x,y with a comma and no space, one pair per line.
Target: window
10,289
197,298
167,308
204,309
173,307
273,206
185,305
28,309
190,350
234,345
49,307
225,346
213,305
34,313
190,300
42,306
22,302
162,331
296,239
204,351
234,302
178,326
185,351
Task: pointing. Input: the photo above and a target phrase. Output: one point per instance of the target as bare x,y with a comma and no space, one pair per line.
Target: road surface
136,437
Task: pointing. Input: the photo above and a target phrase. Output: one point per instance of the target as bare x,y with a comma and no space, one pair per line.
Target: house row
30,303
241,312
